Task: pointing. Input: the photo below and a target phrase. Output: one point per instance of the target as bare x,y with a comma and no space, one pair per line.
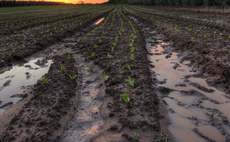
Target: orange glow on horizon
76,1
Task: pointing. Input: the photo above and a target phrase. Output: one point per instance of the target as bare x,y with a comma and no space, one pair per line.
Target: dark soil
44,111
47,38
205,54
49,106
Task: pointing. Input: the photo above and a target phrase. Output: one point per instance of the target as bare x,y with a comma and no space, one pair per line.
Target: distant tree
81,2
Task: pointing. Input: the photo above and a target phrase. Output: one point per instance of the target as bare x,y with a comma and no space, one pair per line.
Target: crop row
9,26
39,37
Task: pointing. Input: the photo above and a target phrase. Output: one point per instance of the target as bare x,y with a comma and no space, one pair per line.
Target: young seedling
45,80
214,40
100,41
204,36
108,65
90,68
35,40
208,44
127,66
126,98
92,53
132,49
221,34
160,133
13,50
4,48
88,34
95,46
81,45
72,77
23,46
62,67
114,43
16,43
109,55
105,76
131,56
134,137
68,56
7,38
130,81
112,48
224,49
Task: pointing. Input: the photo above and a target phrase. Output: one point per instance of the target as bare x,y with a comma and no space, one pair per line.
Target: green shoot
193,38
126,98
35,40
90,68
81,45
208,44
105,76
72,77
221,34
214,40
108,65
132,49
16,43
112,48
131,56
114,43
100,41
7,38
134,137
130,81
160,133
204,36
68,56
92,53
224,49
109,55
95,46
4,48
88,34
23,46
45,80
13,50
127,66
62,67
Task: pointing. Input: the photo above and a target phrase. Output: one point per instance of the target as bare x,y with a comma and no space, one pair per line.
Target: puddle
197,111
87,121
99,21
14,80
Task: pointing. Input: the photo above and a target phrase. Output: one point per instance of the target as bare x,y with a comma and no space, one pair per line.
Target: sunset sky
86,1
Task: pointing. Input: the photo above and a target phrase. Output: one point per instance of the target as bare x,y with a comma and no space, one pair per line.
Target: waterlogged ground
91,107
197,111
14,80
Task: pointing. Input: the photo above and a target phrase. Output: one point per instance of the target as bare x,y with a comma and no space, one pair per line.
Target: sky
86,1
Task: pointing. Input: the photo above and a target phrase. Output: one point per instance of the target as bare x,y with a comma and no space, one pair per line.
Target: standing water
197,111
14,80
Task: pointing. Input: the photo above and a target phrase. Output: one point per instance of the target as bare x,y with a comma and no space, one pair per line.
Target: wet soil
28,42
204,53
90,106
197,111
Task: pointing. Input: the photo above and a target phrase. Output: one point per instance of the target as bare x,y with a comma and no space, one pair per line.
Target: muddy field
117,75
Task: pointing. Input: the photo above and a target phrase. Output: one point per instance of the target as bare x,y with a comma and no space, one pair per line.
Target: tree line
175,2
11,3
